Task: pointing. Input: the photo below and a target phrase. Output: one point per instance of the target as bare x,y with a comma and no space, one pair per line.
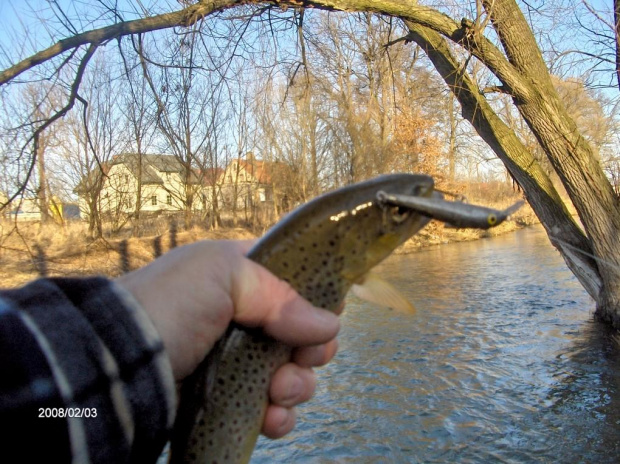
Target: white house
161,180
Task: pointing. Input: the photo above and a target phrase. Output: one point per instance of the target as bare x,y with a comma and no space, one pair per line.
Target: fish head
328,244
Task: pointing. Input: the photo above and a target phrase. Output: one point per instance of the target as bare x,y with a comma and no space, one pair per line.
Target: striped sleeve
82,348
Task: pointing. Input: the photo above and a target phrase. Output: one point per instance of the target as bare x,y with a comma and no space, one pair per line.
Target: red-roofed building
248,182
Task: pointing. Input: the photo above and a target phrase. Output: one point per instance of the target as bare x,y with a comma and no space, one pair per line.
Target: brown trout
321,249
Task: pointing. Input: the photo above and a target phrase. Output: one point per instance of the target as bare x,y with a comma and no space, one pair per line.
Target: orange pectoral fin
374,289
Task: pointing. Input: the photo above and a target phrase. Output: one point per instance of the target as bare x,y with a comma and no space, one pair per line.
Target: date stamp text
67,412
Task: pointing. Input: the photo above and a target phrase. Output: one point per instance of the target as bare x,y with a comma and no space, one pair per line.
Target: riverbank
32,250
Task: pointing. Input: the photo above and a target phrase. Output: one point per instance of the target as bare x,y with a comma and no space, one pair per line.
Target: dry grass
28,250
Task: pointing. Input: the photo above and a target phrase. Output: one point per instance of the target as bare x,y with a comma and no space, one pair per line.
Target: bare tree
519,71
92,137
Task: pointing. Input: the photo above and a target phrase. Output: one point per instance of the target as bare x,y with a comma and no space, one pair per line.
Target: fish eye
492,219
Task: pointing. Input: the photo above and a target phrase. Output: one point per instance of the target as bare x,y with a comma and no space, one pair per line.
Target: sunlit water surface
502,363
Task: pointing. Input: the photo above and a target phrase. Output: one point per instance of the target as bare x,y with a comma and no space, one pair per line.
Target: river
501,363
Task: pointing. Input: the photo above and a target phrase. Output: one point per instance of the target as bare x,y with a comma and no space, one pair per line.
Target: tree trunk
569,152
39,147
524,76
539,190
452,138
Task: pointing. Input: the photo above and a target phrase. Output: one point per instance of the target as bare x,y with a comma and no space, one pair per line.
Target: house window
169,199
154,200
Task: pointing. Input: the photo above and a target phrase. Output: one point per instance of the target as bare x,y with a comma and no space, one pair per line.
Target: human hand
194,292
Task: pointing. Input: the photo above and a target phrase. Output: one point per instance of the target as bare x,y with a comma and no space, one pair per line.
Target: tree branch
465,34
541,193
185,17
75,87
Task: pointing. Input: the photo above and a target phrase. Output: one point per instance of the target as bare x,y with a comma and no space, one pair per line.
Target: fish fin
374,289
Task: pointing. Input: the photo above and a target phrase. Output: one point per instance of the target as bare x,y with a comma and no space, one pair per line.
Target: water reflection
502,363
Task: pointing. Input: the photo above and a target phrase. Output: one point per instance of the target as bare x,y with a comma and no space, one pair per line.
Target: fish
323,249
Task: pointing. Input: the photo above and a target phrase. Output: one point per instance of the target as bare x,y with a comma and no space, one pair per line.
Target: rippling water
502,363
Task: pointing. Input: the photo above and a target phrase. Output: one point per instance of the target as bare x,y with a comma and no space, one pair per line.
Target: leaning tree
499,37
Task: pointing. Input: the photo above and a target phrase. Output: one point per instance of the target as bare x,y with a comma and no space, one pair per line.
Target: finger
291,385
263,300
301,324
278,421
314,356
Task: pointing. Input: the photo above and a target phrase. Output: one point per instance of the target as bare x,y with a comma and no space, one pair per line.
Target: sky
26,26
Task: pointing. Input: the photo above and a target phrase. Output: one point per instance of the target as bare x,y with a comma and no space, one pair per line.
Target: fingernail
325,318
296,389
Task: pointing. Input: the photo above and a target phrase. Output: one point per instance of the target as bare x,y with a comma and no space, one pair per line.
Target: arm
88,343
83,344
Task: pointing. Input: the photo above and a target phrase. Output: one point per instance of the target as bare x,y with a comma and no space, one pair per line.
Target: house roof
262,171
152,165
210,176
88,181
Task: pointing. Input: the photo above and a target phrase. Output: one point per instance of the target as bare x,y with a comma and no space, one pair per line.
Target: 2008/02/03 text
67,412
